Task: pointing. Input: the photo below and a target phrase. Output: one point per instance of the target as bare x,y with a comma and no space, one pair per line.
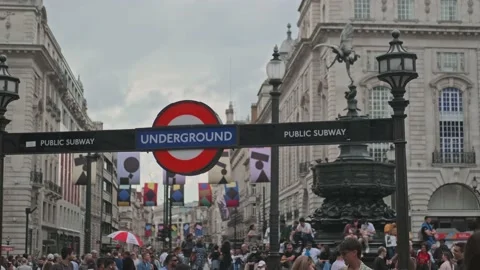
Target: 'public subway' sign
317,133
314,133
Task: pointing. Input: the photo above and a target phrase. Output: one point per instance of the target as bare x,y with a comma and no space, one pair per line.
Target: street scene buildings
45,207
441,149
52,99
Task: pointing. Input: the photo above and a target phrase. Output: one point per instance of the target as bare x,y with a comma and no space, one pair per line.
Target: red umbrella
126,237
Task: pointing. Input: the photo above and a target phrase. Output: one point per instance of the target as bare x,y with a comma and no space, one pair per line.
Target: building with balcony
442,124
133,218
190,214
51,99
107,187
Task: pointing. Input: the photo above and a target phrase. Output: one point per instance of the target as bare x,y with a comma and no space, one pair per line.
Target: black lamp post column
8,93
397,68
275,72
88,202
28,211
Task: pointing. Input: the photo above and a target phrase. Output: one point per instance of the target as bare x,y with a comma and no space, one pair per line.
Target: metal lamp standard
475,186
8,93
397,67
275,72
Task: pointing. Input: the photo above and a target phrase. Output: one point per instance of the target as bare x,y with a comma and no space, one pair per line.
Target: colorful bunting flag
198,229
150,194
177,195
123,195
148,230
221,173
232,197
204,195
260,165
128,166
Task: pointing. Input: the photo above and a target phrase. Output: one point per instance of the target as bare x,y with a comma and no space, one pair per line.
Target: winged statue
344,52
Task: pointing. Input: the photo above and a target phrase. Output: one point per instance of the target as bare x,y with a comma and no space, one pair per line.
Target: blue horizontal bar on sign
192,137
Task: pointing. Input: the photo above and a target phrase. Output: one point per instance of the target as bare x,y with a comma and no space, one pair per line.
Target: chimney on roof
254,113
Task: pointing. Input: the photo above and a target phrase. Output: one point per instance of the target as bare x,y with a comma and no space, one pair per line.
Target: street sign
69,142
8,248
186,162
210,137
316,133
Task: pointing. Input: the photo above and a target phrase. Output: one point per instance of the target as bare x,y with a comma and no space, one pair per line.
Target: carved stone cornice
44,61
410,28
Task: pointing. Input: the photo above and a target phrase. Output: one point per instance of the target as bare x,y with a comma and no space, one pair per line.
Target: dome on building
287,44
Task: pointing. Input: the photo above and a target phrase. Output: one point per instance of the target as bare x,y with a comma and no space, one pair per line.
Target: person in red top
423,258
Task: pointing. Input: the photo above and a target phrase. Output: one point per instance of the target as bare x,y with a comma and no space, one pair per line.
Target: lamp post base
273,260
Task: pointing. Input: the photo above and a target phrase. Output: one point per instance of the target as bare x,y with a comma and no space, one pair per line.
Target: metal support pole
170,212
88,203
27,214
3,123
403,244
264,213
235,229
274,256
165,214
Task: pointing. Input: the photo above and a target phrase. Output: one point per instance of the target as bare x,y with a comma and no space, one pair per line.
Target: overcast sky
135,57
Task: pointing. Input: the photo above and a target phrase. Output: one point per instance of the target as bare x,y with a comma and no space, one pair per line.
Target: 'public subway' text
314,133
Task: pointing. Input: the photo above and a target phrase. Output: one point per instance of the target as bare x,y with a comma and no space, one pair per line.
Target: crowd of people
297,251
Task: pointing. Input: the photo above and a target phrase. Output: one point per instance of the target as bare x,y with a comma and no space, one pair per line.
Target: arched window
453,197
450,108
378,107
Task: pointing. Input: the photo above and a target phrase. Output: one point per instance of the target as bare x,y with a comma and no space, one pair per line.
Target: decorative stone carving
8,24
470,7
384,8
427,7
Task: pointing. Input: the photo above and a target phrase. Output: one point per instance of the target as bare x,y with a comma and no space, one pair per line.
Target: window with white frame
451,61
362,9
378,106
405,9
450,107
448,10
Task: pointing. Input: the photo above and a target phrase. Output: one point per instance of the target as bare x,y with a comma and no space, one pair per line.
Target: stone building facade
51,100
442,125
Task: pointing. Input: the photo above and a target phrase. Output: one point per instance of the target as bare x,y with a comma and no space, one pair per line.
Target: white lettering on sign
189,137
314,133
67,142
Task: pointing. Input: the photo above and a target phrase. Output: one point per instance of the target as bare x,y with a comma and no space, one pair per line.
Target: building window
405,9
450,106
362,9
451,61
378,107
448,10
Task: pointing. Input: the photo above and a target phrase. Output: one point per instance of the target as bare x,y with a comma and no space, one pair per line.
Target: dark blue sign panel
186,138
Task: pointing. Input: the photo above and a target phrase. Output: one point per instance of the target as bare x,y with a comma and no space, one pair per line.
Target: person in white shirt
306,230
311,252
390,244
338,264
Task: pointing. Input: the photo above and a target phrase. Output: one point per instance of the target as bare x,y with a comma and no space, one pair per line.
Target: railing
53,187
303,167
453,157
36,177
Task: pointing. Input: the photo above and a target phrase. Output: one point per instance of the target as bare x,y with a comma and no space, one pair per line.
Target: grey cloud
180,37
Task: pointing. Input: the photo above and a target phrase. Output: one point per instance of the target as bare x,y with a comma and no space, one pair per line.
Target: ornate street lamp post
397,67
8,93
275,72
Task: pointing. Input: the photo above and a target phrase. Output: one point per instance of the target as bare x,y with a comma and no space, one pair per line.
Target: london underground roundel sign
187,162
